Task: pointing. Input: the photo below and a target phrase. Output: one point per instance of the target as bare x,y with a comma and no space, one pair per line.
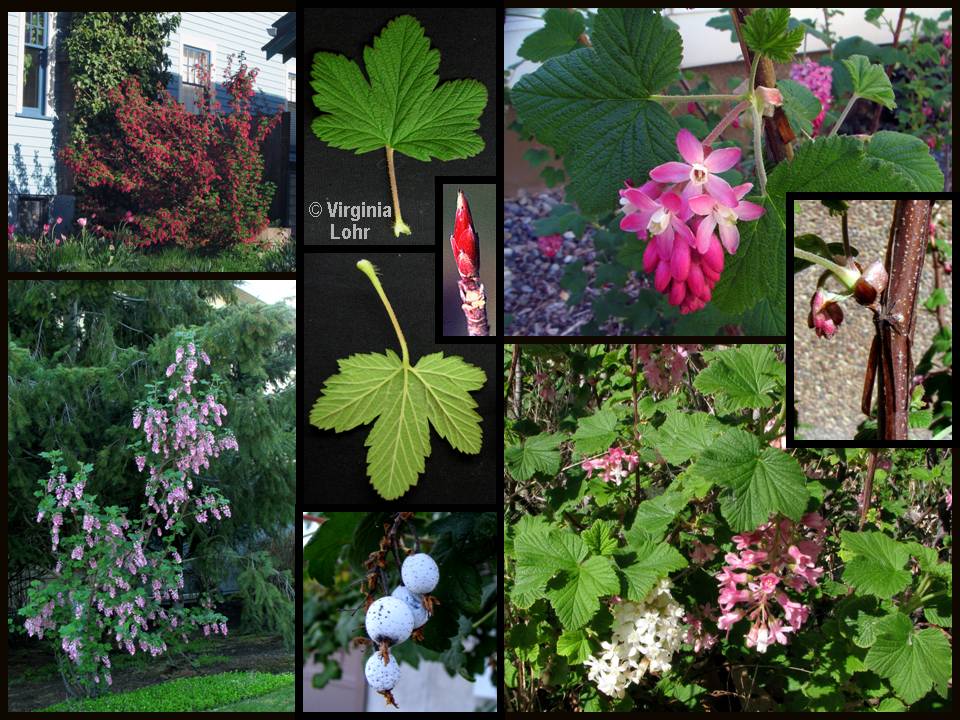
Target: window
291,87
34,63
195,76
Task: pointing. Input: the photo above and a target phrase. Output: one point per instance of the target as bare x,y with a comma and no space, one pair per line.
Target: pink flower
82,222
947,39
699,169
59,220
825,314
819,80
702,553
549,244
46,228
691,108
723,217
10,231
770,98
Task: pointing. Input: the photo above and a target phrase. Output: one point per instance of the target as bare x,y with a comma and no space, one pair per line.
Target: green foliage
80,354
800,105
191,694
645,563
876,563
535,454
560,33
684,436
913,661
759,480
595,433
267,594
870,82
602,91
910,155
766,32
104,48
740,377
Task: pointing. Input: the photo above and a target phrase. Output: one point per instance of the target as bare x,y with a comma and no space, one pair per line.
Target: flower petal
684,234
730,237
677,292
704,233
671,172
650,257
665,244
721,190
672,202
695,282
690,148
662,277
638,198
702,204
747,210
713,257
741,190
722,159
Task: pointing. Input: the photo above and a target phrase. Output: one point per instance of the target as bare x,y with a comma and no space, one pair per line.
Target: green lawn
230,691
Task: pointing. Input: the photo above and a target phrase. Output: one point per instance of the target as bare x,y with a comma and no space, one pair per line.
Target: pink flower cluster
549,244
696,635
776,556
664,369
819,80
616,464
679,209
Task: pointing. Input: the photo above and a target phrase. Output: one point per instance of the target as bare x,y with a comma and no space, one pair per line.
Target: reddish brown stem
896,41
868,487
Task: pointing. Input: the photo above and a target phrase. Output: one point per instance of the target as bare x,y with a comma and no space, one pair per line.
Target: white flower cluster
645,636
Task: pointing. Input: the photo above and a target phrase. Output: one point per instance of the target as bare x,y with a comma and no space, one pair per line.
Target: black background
467,41
343,315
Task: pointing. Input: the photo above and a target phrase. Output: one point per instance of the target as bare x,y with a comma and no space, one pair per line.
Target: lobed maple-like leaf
402,106
404,400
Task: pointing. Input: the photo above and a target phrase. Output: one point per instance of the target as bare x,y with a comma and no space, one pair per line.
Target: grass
224,691
88,253
282,700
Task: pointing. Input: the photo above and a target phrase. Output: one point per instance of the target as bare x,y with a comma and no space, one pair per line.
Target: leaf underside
402,106
404,401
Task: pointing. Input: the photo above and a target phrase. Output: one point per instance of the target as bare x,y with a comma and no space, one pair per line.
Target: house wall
223,33
34,136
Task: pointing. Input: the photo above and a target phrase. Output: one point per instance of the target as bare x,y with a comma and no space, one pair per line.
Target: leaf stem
727,119
693,98
399,226
846,111
840,272
753,71
758,146
366,267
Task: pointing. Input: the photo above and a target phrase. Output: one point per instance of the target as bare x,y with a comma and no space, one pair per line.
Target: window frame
41,110
292,75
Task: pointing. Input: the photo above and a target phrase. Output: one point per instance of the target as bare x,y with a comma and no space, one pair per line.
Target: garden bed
34,683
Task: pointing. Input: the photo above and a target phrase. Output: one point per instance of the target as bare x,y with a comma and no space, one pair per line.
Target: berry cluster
392,619
680,209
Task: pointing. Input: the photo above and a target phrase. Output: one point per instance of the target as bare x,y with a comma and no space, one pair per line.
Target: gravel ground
828,374
531,282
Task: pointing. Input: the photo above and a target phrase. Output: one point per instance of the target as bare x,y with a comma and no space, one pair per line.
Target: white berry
379,676
389,619
414,602
420,573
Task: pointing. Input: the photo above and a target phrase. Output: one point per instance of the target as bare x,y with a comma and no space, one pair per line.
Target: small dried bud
871,284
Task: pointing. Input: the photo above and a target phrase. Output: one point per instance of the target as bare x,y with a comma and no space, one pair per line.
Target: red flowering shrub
189,179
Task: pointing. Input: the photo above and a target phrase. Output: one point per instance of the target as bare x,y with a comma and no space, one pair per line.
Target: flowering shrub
175,176
118,577
715,581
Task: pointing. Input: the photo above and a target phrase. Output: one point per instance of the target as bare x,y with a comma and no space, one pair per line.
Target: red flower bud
464,241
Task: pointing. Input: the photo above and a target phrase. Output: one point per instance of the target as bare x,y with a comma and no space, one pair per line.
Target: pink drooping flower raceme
776,557
616,465
819,80
825,313
664,365
679,209
697,635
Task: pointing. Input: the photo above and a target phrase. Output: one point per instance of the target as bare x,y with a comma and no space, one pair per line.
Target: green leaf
766,32
574,645
404,399
562,218
535,156
578,599
891,704
600,537
912,661
759,480
870,82
873,15
321,553
937,298
402,106
869,627
911,156
739,377
596,433
591,105
800,105
552,176
645,564
654,516
559,34
539,453
683,436
876,565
